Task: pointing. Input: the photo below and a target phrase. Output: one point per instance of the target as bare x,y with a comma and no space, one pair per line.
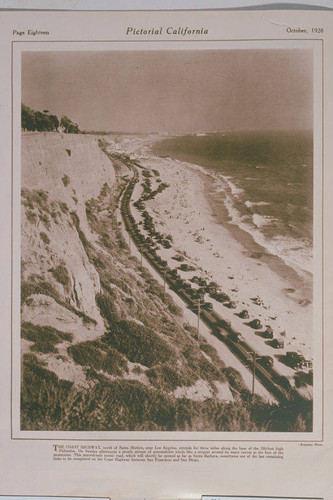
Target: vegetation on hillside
37,121
121,404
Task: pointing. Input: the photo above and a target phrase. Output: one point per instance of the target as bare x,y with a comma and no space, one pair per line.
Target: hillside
101,348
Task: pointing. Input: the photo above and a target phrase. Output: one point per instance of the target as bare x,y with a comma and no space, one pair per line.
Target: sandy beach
185,212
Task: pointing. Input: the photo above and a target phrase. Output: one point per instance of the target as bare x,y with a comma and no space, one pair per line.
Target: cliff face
60,173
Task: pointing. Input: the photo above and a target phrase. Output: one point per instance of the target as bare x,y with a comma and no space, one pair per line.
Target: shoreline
220,185
254,250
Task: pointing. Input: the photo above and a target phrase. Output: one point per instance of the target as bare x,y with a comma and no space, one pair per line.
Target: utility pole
253,358
196,308
198,314
254,371
164,281
140,250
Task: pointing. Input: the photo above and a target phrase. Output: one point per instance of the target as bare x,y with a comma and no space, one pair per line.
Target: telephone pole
198,314
253,358
164,281
139,245
254,371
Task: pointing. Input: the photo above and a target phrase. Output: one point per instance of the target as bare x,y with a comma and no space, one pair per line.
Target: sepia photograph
166,239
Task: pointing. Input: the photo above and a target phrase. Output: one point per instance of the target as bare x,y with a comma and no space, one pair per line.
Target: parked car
244,314
266,361
220,297
294,360
208,306
267,334
277,344
230,305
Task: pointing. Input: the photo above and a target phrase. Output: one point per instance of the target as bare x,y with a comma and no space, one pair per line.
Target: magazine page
166,253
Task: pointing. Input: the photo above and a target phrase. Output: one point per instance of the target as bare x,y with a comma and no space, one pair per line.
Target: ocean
264,181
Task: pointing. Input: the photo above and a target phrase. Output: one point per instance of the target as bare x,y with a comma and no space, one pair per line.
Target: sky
173,91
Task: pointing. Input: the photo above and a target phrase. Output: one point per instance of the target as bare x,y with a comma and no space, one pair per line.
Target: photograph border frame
173,439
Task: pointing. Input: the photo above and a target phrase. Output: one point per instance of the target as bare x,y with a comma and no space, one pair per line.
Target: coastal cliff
60,173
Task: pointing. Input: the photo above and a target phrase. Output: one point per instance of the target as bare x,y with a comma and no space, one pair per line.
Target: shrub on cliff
86,354
68,126
44,122
45,398
139,343
60,273
45,338
37,121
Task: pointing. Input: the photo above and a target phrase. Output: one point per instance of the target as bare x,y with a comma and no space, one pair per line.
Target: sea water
264,181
